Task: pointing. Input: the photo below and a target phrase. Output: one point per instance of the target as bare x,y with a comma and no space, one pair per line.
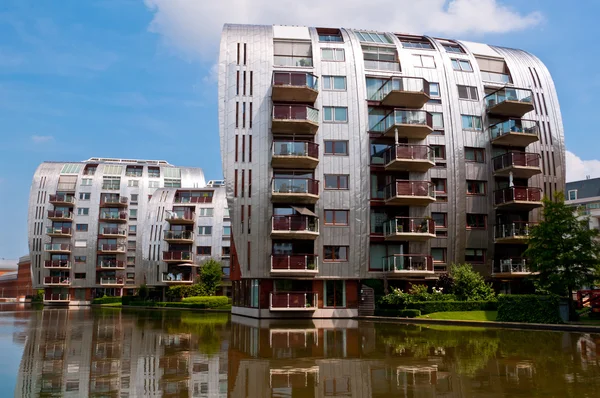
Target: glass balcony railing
113,215
495,77
295,301
57,247
178,256
517,194
113,200
66,231
60,198
177,277
295,224
295,148
112,231
180,215
179,235
296,112
64,264
57,280
511,266
283,185
515,229
406,84
112,264
508,94
193,199
409,152
60,214
404,117
408,225
408,263
56,297
112,281
516,159
521,126
294,262
112,248
424,189
296,79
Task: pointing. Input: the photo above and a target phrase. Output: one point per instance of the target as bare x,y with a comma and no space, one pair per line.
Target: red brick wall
20,287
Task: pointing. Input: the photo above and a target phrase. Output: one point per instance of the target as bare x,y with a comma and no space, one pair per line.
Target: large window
453,48
113,183
434,91
437,119
470,122
373,37
467,92
154,172
335,294
335,114
424,61
476,187
172,183
329,35
205,230
203,250
462,65
439,185
476,221
572,194
336,181
84,196
475,255
382,58
438,254
83,211
336,217
335,253
292,53
440,220
420,44
332,54
475,154
205,211
226,231
334,83
336,148
439,151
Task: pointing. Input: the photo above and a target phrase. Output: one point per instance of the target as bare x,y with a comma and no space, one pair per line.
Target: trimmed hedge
207,301
528,308
107,300
428,307
188,302
398,313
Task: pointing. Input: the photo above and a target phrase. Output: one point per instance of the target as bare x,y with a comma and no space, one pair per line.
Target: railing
408,152
523,194
112,248
294,300
56,297
62,198
290,60
58,231
295,112
113,200
296,79
514,229
408,263
112,281
57,247
295,185
295,262
295,148
181,235
522,126
57,280
112,231
406,84
178,256
295,223
112,264
66,215
508,94
399,116
404,225
502,78
409,188
177,277
180,215
113,215
193,199
522,159
511,265
66,264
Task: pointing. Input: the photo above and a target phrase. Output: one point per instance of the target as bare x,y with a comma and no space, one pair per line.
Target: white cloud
578,169
193,26
41,139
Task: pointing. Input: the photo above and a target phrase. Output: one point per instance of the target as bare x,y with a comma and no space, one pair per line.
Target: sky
137,78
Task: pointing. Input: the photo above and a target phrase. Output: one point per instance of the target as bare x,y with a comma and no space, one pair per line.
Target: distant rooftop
138,161
6,265
585,188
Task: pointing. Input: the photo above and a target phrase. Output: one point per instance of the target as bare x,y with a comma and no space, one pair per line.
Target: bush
207,301
107,300
528,308
189,302
38,297
418,293
428,307
469,285
398,313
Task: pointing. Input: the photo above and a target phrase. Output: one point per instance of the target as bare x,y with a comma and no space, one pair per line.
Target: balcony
295,227
294,87
509,102
409,229
64,200
60,232
512,132
296,264
57,247
181,217
520,164
57,280
111,264
171,277
409,193
60,215
57,297
408,264
416,125
288,378
112,248
192,200
295,155
294,119
293,301
113,216
57,264
406,92
295,190
114,201
511,268
518,198
178,257
179,236
112,281
112,232
404,157
513,233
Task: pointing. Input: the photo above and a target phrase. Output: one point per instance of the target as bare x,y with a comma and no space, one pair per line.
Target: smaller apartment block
585,195
107,226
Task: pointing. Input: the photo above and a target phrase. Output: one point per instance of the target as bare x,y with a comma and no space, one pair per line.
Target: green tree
469,285
563,251
211,275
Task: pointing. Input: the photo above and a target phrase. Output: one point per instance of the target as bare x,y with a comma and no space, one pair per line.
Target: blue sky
135,79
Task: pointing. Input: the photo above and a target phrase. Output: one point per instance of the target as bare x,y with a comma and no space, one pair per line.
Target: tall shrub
469,285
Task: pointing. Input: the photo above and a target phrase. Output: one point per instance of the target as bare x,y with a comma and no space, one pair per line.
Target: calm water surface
123,353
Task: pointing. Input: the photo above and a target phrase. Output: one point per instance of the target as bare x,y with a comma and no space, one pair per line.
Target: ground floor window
335,293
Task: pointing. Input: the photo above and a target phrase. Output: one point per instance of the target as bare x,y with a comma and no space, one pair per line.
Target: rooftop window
373,37
330,35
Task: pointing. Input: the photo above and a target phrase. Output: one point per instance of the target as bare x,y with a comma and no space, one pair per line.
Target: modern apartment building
106,226
352,155
585,195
